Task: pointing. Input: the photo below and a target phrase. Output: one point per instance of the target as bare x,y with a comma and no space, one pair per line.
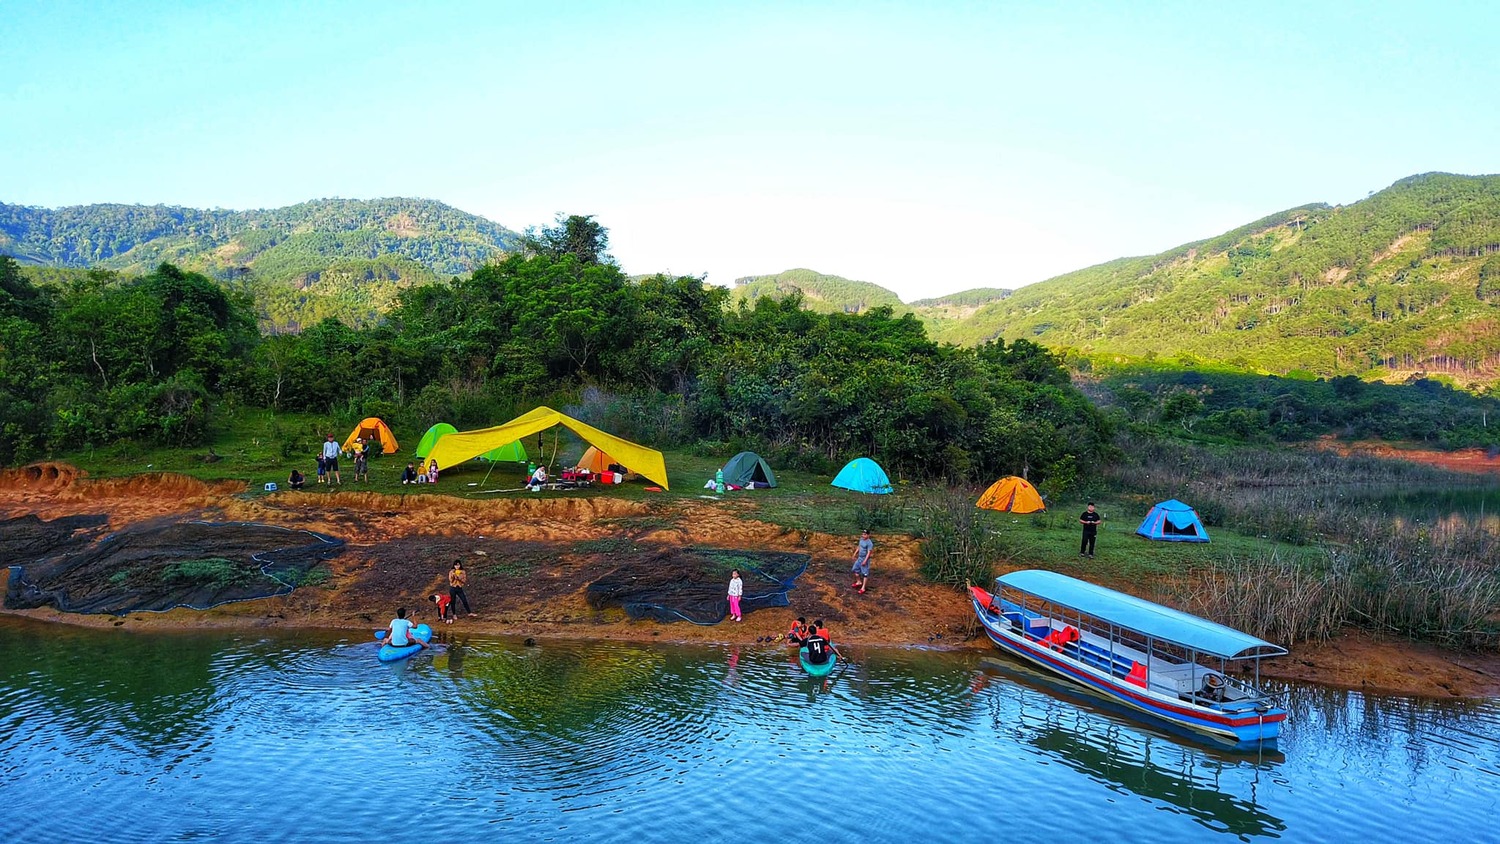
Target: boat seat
1100,658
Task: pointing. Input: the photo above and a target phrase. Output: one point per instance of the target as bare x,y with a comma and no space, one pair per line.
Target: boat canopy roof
1145,617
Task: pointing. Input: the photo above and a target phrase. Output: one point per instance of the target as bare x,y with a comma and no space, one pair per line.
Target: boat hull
1239,728
814,669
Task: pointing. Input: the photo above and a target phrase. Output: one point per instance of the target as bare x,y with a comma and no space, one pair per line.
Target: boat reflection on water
1185,772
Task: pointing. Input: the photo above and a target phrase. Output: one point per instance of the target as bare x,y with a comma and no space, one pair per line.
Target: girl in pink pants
736,590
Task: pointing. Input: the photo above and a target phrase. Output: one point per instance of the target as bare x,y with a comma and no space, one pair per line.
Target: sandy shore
399,548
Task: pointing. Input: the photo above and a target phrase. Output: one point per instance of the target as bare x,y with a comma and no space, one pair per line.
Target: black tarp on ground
158,565
691,584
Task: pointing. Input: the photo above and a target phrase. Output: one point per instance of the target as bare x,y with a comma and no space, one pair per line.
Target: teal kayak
816,670
391,653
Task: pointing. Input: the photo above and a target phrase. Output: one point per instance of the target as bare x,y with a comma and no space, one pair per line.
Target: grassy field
256,447
1294,553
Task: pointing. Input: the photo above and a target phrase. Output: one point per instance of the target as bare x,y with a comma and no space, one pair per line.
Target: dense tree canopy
146,358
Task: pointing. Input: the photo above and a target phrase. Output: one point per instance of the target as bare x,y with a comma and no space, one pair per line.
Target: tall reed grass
1435,580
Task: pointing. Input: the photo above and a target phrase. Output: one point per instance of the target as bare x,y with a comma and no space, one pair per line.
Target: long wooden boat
1154,659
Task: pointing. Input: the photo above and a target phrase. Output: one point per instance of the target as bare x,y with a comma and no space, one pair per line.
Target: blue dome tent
1173,521
863,475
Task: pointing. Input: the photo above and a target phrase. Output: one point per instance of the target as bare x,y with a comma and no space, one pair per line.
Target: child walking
736,591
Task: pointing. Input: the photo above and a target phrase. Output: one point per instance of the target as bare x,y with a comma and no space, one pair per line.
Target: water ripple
296,738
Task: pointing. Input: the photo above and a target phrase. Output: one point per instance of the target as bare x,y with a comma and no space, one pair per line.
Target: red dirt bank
531,560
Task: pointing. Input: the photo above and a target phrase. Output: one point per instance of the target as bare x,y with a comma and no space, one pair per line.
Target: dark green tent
748,468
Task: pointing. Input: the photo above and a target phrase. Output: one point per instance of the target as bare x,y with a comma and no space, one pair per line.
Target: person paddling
819,649
398,634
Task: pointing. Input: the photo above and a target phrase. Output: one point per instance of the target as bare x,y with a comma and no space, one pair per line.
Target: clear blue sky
929,147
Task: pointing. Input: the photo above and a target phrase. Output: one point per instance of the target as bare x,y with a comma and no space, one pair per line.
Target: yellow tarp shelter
372,429
1014,494
454,449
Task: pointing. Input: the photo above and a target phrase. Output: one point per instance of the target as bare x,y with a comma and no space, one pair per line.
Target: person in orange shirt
798,632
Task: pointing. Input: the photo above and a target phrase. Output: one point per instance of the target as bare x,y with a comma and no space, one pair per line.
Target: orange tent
370,430
1014,494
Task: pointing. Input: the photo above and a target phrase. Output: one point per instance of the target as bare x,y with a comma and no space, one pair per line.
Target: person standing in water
457,580
736,591
1090,521
862,556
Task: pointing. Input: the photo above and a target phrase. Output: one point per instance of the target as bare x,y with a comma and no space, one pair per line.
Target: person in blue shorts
862,556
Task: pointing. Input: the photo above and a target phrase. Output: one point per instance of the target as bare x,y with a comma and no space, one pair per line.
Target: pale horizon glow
927,148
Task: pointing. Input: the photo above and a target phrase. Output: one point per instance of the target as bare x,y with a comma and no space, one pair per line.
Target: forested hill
1405,281
328,257
835,294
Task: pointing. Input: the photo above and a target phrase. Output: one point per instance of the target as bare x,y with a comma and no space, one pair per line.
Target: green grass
1050,540
251,444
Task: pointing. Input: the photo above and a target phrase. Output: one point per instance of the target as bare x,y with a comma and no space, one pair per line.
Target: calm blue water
112,736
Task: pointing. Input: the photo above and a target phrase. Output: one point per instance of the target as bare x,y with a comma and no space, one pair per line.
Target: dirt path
532,559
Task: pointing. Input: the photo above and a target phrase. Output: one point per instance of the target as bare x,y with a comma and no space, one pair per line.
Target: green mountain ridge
1404,282
329,257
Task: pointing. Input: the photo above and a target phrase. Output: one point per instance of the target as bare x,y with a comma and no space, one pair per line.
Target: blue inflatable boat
391,653
813,668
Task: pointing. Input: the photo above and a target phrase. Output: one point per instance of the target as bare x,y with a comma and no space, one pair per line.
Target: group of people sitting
814,637
414,475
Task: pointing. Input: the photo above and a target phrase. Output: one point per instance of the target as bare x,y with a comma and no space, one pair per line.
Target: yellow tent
372,429
1014,494
454,449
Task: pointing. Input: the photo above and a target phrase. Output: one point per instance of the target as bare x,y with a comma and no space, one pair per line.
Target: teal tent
430,438
1173,521
863,475
512,452
748,469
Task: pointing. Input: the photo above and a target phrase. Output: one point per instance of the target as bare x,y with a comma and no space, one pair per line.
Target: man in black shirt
1090,521
817,647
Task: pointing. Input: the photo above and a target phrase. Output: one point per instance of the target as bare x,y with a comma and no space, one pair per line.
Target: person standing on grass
322,469
457,580
1090,521
331,460
361,466
736,591
862,556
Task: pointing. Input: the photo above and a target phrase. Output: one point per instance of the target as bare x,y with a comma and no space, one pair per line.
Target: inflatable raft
391,653
816,670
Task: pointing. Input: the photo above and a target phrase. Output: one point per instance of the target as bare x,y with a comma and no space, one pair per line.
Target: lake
238,736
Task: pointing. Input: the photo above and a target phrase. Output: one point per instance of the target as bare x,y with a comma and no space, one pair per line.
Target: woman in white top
538,478
736,591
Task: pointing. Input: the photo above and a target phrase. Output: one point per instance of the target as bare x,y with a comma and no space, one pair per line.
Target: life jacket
798,631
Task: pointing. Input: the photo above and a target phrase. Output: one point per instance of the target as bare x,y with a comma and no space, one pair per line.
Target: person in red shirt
444,607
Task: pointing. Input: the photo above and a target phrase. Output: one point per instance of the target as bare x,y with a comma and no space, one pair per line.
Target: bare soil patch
531,562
